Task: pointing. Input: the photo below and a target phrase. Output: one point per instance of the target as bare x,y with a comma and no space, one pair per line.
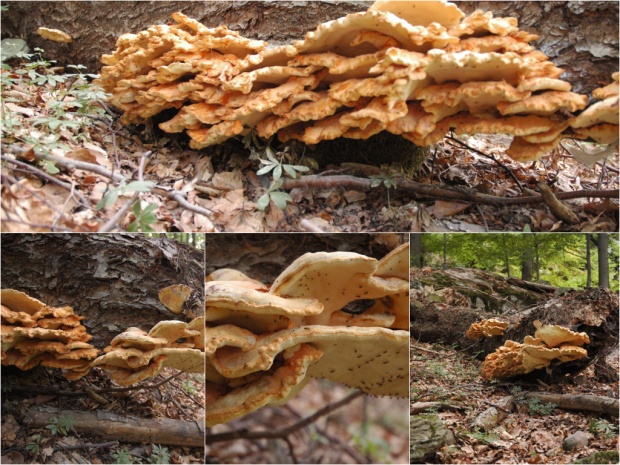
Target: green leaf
276,184
376,182
139,186
281,199
49,166
133,226
265,169
263,202
277,173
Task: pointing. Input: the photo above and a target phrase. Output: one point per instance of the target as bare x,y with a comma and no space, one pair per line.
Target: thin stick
282,432
86,446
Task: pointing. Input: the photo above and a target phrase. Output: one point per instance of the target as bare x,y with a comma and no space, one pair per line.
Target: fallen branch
559,210
419,407
130,429
587,402
437,192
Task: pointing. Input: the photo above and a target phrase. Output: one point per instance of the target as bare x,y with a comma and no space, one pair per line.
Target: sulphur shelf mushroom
550,342
340,316
486,328
36,334
418,69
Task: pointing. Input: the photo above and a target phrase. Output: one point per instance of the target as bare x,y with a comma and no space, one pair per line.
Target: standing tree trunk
113,280
537,260
506,255
588,261
526,261
603,261
445,250
417,259
580,37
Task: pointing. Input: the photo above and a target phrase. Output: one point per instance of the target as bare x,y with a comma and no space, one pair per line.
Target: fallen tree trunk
599,404
127,429
113,280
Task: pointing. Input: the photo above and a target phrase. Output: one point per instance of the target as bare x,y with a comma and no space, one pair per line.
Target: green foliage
280,199
562,257
482,436
61,425
536,407
159,454
371,446
601,428
387,179
144,218
122,456
188,386
111,195
278,163
34,447
70,101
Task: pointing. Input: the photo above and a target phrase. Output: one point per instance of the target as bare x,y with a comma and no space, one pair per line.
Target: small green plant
537,407
144,218
278,164
387,179
34,447
110,197
601,428
371,446
159,454
273,194
61,425
69,100
188,386
122,456
483,436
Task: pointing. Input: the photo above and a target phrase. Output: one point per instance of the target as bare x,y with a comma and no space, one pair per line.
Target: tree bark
581,37
598,404
113,280
603,261
417,254
426,436
588,261
130,429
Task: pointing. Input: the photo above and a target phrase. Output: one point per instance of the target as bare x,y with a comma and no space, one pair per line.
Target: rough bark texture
427,434
110,426
581,37
590,403
265,256
110,279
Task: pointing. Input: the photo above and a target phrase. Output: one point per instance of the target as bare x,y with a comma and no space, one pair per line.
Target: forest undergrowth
532,433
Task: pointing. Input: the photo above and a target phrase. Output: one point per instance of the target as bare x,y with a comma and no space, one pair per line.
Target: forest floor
532,433
68,164
179,398
364,430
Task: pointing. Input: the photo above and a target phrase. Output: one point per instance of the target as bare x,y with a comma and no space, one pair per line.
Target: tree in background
558,259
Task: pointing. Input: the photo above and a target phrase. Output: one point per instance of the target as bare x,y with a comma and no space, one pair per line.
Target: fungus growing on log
417,69
549,343
135,355
34,333
486,328
264,343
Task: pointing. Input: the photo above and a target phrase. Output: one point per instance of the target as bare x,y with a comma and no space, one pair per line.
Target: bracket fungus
550,342
339,316
417,69
34,333
135,355
486,328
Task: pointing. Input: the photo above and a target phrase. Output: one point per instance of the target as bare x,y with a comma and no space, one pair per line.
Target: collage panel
102,348
514,348
306,348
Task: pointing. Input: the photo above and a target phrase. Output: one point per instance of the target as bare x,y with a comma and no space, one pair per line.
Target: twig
43,175
486,225
86,446
430,191
486,155
309,226
282,432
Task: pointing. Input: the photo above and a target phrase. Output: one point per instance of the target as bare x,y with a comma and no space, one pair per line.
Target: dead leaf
82,154
443,208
